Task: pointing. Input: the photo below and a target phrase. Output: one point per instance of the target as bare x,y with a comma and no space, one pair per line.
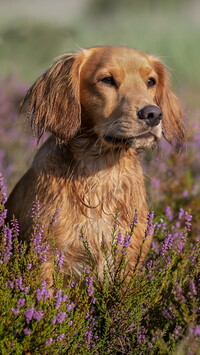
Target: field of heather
157,311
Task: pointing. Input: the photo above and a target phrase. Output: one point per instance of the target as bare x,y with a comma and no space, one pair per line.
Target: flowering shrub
175,178
153,311
12,130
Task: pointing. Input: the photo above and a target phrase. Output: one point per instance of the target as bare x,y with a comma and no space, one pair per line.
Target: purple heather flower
87,315
127,241
131,327
90,291
60,337
8,243
141,335
195,189
11,284
37,240
87,270
26,290
82,236
93,300
54,218
178,292
15,311
150,227
36,209
149,265
49,341
134,221
192,287
38,315
59,298
156,183
21,302
116,222
70,322
178,224
41,248
169,213
89,281
19,283
135,218
196,330
60,260
3,197
188,219
3,215
15,227
181,213
168,242
88,336
119,238
26,331
185,194
39,294
181,242
54,320
72,284
167,314
155,246
43,292
29,314
160,225
177,332
60,317
70,307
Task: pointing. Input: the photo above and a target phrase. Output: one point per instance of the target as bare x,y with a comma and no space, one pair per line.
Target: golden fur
88,168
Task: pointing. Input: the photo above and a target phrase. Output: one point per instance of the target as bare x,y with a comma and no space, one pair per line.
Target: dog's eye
151,82
109,80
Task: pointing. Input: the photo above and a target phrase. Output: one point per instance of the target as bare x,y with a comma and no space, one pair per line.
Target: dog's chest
101,194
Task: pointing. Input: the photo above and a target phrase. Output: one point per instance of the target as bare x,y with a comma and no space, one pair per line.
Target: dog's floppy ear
53,102
173,115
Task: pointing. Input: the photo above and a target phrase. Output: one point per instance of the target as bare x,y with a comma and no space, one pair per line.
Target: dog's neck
92,152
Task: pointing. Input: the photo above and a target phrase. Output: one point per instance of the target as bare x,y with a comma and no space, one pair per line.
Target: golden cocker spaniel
101,105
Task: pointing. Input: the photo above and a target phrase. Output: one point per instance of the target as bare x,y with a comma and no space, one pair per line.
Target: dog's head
120,93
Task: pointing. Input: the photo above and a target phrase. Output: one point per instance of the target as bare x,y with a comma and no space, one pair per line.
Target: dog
101,106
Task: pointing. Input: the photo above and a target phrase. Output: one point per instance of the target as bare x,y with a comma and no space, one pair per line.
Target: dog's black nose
151,114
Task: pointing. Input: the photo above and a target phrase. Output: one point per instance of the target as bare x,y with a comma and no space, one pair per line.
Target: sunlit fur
79,172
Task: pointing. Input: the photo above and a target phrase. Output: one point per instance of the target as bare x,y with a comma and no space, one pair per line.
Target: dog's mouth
118,140
129,141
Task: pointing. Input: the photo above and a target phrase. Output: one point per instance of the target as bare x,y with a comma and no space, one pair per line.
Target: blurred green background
33,33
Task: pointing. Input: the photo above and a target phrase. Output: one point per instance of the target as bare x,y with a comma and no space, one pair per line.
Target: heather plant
176,182
154,310
12,130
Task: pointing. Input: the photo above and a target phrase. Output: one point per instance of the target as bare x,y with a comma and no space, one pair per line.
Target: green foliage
169,29
35,46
